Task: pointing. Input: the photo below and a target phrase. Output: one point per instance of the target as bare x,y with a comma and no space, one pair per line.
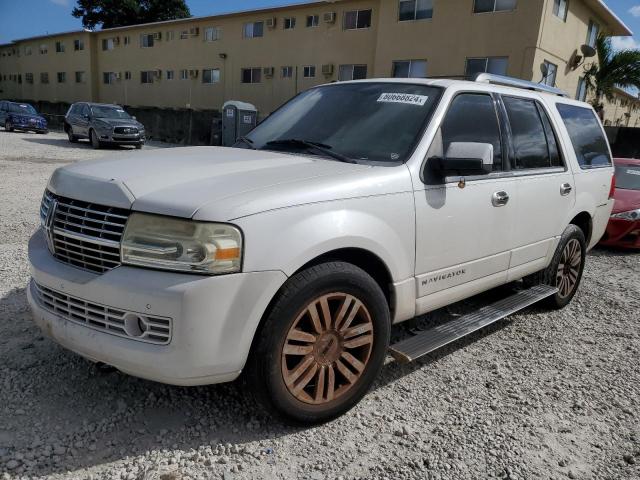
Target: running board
429,340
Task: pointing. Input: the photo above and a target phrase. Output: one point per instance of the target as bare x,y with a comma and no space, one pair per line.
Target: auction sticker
406,98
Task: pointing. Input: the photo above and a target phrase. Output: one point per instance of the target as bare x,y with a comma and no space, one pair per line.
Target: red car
624,226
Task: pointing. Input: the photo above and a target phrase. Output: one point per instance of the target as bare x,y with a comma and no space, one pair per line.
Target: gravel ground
540,395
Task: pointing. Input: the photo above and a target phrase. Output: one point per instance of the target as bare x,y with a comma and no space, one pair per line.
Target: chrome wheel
327,348
569,268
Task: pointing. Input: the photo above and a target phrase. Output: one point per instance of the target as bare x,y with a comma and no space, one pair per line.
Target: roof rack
517,83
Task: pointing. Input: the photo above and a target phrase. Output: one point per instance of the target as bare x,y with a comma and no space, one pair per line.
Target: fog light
135,325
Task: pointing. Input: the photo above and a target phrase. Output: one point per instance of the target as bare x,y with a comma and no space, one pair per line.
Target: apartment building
267,56
623,110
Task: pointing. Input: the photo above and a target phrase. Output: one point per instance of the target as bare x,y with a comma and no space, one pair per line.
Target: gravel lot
540,395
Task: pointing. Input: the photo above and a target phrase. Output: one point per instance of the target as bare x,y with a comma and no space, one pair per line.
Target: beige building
267,56
623,110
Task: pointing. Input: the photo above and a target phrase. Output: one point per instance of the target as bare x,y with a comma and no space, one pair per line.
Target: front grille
144,328
125,130
85,235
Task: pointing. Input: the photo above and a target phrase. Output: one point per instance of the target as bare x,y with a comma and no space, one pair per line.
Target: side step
430,340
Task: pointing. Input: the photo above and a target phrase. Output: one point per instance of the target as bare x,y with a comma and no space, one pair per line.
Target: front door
464,227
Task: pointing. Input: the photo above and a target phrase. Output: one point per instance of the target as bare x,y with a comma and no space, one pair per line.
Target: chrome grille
144,328
85,235
125,130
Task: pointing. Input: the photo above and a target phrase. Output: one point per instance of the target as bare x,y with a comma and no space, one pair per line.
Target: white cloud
62,3
625,43
635,11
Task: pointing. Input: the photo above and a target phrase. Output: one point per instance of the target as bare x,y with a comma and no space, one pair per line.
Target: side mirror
86,116
464,158
134,117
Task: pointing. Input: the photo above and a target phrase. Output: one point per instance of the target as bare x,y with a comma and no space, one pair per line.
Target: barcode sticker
406,98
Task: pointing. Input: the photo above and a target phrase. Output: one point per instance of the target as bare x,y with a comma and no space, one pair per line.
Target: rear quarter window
587,136
628,177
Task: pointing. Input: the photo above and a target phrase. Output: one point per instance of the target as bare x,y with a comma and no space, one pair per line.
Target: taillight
613,187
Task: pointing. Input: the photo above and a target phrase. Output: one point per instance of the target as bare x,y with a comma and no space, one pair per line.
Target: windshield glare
628,177
109,112
23,108
377,122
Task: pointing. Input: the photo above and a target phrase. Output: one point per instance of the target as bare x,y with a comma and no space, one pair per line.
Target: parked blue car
21,116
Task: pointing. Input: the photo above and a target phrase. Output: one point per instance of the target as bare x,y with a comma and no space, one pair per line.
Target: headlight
632,215
183,245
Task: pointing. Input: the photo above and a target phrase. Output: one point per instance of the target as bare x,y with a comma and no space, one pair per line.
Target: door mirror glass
464,158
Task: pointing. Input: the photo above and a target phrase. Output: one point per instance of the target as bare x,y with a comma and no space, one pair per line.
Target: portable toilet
238,119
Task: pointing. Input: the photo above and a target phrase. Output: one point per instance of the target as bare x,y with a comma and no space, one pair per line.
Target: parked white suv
353,207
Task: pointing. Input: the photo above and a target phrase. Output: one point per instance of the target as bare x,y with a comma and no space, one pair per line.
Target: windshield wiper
320,147
246,141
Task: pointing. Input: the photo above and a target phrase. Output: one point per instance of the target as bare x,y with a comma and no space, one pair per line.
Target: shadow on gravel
81,144
81,416
602,251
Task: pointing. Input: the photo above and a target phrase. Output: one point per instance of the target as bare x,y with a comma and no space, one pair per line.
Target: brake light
613,187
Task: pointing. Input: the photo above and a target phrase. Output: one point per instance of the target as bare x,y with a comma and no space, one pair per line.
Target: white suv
353,207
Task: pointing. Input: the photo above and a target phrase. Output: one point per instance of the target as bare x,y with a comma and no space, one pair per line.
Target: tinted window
586,135
628,177
552,142
527,131
473,118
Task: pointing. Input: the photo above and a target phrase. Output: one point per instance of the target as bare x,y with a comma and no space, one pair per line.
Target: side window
528,133
472,118
586,135
552,140
85,110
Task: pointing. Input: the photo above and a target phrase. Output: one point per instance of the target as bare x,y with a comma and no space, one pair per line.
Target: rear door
81,126
543,183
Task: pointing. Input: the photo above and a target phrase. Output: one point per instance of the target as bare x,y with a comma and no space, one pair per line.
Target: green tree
612,69
120,13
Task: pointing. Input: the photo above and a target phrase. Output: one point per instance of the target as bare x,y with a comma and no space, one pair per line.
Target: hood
120,122
221,184
626,200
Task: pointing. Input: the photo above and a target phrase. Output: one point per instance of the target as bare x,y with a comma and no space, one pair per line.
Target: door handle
565,189
500,199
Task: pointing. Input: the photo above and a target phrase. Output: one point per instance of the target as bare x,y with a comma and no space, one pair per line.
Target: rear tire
321,346
72,138
95,142
565,270
8,126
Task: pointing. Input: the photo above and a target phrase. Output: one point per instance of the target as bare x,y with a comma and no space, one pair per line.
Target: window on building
352,72
415,10
80,77
108,78
184,34
211,75
289,23
62,77
484,6
184,74
552,73
251,75
309,71
20,79
170,74
357,19
253,29
146,40
586,135
28,77
147,76
533,147
211,34
44,77
107,44
27,51
472,118
287,72
44,49
581,92
410,69
170,35
127,75
313,20
592,33
78,45
560,9
497,65
127,40
59,47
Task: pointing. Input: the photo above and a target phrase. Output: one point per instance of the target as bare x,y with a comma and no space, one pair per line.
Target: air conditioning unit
329,17
195,31
118,75
327,69
157,36
271,22
193,73
268,71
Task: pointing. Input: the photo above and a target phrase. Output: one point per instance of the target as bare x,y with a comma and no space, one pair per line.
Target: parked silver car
103,124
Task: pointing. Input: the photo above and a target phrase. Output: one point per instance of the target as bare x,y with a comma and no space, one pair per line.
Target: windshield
377,122
109,112
22,108
628,177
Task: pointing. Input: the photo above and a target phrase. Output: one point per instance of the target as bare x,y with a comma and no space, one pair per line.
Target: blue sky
26,18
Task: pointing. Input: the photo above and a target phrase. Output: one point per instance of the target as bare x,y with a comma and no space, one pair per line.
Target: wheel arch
584,221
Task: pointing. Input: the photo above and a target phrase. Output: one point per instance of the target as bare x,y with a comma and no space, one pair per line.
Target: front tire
8,126
95,142
72,138
321,346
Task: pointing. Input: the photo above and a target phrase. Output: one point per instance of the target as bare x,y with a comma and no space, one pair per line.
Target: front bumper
622,233
214,319
122,139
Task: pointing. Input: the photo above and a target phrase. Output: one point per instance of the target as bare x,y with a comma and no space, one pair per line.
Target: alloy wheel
327,348
569,268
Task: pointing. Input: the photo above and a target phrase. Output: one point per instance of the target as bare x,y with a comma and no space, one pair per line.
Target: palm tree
613,69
